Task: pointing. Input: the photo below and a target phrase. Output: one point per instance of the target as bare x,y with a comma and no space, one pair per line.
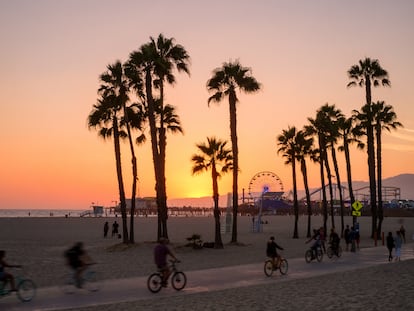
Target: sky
52,53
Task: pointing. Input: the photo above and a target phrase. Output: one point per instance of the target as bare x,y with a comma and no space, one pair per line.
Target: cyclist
161,251
5,276
78,260
317,238
271,251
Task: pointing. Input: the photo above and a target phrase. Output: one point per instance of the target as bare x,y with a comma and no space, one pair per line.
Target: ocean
39,213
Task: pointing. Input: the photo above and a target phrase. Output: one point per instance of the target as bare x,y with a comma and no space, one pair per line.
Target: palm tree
304,149
316,128
349,135
104,116
213,156
287,147
333,115
155,62
384,119
225,82
115,83
366,74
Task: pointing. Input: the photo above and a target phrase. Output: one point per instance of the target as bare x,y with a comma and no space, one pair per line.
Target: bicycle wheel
268,268
90,282
319,254
68,284
154,283
178,280
26,290
308,255
283,268
329,252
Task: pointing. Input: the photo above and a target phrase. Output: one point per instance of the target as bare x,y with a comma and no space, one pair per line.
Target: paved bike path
134,289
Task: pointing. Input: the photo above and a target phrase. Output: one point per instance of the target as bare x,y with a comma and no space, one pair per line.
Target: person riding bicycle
334,240
161,251
317,238
5,276
271,251
78,260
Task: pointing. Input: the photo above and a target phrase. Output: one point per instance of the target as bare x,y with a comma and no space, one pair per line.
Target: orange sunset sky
52,53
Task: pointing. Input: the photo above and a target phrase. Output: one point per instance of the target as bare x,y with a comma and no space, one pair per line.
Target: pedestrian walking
390,245
398,244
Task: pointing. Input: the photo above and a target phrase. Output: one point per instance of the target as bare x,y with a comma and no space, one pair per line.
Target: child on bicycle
5,276
271,251
161,251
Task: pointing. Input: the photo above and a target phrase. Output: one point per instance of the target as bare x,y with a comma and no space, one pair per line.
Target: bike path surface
135,289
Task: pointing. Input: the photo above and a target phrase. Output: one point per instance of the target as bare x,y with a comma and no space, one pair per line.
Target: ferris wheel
264,182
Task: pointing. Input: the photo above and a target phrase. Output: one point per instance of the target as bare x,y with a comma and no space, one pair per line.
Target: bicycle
25,288
178,278
314,253
270,266
88,282
330,252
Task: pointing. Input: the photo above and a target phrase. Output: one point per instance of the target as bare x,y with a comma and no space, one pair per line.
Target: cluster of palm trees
116,115
131,96
331,130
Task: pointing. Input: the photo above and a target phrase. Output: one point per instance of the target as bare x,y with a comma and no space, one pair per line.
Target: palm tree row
332,131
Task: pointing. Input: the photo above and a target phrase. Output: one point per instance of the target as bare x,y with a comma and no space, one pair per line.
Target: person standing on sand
115,229
390,245
106,228
398,244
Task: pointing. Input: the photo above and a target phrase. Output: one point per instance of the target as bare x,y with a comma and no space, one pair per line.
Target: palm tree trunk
371,158
379,180
154,147
321,170
235,151
218,243
372,182
134,178
338,182
120,181
329,175
295,199
349,176
308,200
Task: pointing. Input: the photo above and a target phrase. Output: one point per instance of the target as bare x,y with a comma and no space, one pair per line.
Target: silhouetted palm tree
349,135
115,83
316,128
213,156
384,119
155,62
288,148
366,74
304,149
225,82
105,117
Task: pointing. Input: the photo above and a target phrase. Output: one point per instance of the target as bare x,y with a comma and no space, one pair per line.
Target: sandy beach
39,243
